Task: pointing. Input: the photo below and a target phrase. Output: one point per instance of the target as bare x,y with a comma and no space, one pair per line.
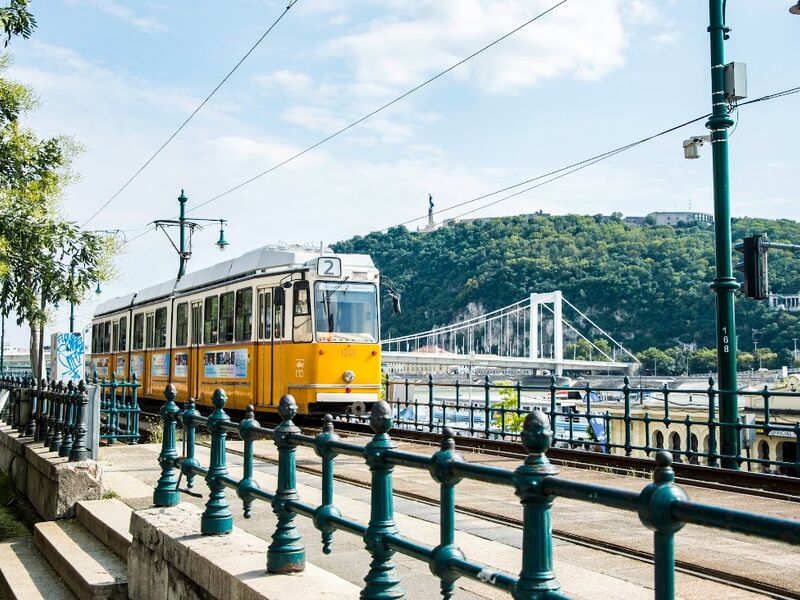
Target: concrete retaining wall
170,560
51,484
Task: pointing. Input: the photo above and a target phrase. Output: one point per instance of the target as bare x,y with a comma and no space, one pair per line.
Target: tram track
686,567
681,566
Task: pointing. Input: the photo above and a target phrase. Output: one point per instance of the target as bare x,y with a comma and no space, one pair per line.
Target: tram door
264,349
195,357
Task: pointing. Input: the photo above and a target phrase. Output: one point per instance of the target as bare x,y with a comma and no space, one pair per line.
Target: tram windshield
346,312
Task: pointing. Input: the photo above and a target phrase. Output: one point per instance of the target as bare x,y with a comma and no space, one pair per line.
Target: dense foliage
646,285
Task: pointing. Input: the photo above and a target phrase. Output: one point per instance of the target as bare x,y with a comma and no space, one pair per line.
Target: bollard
382,582
69,421
326,510
166,492
247,484
442,473
55,442
655,511
286,553
217,518
79,450
537,578
188,464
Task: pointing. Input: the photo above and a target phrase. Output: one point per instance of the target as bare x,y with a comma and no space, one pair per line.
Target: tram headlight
348,376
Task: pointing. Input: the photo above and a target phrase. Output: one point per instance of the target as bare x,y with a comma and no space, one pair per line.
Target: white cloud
124,13
292,82
315,118
424,36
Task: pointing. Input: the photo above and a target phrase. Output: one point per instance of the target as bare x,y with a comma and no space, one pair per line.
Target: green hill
646,285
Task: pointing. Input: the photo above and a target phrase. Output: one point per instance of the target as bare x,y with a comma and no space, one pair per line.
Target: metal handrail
662,505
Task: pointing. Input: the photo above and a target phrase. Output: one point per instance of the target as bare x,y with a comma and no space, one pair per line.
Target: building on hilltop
790,302
676,218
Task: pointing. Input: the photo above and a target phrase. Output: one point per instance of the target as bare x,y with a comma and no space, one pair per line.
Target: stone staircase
85,558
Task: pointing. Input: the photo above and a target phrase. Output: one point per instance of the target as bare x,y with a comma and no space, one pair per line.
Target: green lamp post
186,228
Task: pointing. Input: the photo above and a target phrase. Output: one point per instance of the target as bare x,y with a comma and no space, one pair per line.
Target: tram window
114,336
197,323
278,320
94,338
302,313
149,331
226,318
211,323
161,328
138,331
123,334
181,324
244,314
264,315
107,336
346,312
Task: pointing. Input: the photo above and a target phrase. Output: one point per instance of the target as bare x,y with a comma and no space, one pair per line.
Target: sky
119,76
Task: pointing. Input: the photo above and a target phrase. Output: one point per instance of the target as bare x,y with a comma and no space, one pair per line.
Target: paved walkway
582,572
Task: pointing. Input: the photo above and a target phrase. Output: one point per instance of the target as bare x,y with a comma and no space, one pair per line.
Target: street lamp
186,225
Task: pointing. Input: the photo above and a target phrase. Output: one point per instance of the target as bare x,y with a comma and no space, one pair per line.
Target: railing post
44,408
382,582
79,450
113,415
326,510
188,416
247,484
442,472
52,407
655,511
55,442
69,419
286,553
537,578
626,390
33,402
552,414
217,518
133,416
712,424
166,492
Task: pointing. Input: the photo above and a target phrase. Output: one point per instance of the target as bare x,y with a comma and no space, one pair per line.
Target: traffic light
754,266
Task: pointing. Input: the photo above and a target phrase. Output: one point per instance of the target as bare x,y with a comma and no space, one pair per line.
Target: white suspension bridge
526,335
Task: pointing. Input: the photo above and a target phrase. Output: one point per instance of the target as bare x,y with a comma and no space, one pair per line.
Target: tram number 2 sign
328,266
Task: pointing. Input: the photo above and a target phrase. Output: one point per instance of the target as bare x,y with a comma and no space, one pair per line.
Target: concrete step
25,574
92,571
108,521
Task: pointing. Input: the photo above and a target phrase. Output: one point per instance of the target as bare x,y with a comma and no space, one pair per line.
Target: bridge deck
583,568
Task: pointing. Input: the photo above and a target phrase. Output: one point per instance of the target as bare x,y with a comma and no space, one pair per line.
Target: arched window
763,454
658,440
675,446
693,458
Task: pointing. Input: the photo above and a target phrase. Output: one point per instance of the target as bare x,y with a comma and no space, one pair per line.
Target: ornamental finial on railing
217,518
166,492
380,417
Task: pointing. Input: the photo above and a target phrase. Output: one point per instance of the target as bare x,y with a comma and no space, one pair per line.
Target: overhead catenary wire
379,109
191,116
578,166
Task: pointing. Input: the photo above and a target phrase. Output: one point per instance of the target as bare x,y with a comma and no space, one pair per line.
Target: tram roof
265,259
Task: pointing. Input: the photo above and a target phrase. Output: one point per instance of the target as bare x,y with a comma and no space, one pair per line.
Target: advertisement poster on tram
100,366
137,365
181,364
231,363
159,365
119,367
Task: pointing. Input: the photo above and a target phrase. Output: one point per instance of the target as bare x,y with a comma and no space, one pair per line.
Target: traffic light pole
724,284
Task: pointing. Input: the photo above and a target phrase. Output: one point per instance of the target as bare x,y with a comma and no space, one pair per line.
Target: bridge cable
189,118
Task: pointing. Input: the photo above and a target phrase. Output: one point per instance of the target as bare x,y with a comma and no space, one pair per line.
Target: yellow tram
276,320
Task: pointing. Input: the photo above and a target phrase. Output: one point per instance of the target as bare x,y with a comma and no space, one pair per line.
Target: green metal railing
496,410
119,409
662,506
53,414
